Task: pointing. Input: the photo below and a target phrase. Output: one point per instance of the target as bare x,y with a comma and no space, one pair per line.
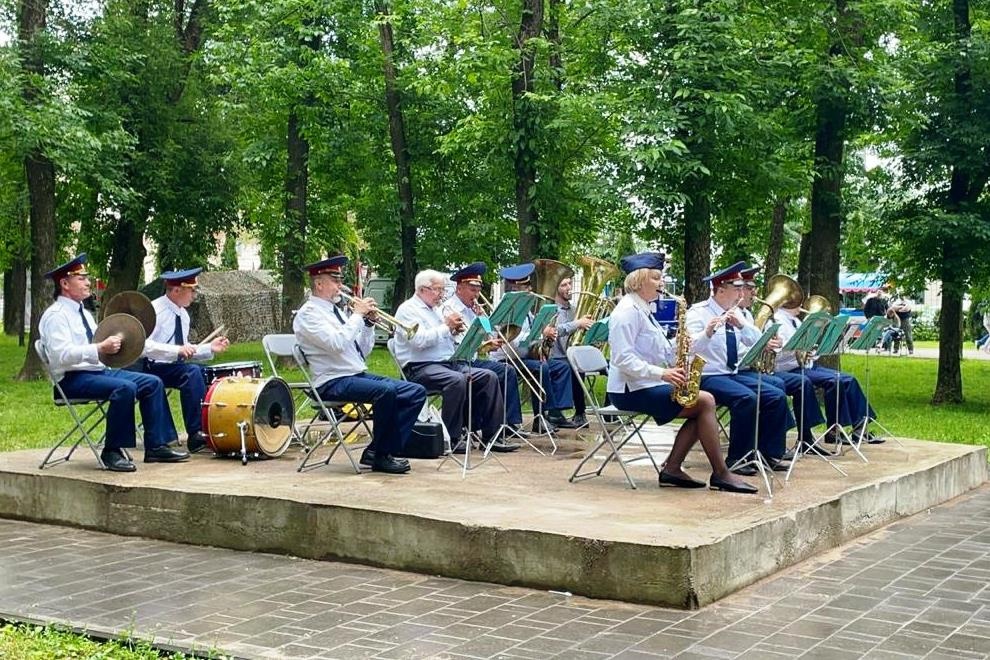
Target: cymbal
132,338
137,305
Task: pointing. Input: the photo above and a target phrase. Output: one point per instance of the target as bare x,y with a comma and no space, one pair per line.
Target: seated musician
465,303
637,382
567,325
66,330
426,359
553,375
720,334
167,351
801,390
337,350
853,410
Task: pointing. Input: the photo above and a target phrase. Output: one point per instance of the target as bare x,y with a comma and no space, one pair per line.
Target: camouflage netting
247,302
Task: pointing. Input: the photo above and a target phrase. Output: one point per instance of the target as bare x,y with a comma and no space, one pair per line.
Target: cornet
386,322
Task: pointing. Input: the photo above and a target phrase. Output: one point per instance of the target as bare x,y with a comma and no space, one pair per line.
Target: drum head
274,415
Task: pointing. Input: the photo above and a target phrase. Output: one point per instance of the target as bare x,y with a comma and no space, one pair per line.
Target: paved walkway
969,353
918,588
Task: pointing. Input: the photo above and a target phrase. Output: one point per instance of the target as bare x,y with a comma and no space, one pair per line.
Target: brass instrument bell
782,291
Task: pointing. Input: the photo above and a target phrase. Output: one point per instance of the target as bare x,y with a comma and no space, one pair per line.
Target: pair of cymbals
130,316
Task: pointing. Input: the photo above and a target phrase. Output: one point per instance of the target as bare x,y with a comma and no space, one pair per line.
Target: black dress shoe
116,461
389,465
788,455
579,421
459,447
745,470
561,422
196,442
542,427
679,482
715,483
165,454
809,448
778,465
503,446
875,439
368,458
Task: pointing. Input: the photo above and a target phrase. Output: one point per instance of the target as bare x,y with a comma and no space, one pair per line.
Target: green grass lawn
36,643
901,390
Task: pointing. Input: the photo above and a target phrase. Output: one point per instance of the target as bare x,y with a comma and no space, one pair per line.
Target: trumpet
386,322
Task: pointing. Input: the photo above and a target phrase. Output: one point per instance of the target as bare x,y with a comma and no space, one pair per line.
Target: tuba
549,274
595,275
687,394
782,291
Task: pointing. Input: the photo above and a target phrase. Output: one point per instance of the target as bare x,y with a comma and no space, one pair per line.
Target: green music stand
813,333
597,334
476,334
753,456
867,339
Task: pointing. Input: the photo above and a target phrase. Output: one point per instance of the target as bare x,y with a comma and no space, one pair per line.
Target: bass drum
214,372
262,407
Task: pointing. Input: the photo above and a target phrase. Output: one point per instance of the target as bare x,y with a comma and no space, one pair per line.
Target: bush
925,328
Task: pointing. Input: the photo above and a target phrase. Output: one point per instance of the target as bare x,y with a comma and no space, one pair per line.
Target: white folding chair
326,421
587,360
85,422
280,346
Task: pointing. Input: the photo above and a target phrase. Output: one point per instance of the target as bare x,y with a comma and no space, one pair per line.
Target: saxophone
687,395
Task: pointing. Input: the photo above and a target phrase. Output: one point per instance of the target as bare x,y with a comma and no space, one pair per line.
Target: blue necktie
794,323
89,330
177,336
731,350
341,319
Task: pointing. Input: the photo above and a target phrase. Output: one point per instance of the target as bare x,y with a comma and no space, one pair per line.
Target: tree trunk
556,53
524,122
400,153
294,244
14,297
127,255
697,247
771,265
40,173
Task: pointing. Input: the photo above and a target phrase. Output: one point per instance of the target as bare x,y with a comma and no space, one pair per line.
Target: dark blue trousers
802,392
395,404
753,380
121,388
852,402
513,407
188,379
555,377
734,392
451,380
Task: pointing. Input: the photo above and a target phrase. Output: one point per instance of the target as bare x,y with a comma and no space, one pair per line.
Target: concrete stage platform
527,526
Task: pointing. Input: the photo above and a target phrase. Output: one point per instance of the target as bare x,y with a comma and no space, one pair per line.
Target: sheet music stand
476,334
813,335
753,456
868,337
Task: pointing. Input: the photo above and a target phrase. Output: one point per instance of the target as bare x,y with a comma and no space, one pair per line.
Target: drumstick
213,335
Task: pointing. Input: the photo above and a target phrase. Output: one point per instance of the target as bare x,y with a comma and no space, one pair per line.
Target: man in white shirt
66,330
467,290
337,349
167,351
720,334
426,359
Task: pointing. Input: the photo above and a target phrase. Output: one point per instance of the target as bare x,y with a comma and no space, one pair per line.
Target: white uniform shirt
64,338
455,304
786,360
713,348
331,346
431,343
160,346
638,344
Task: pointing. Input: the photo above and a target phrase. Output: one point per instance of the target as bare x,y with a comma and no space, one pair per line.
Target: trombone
511,355
386,322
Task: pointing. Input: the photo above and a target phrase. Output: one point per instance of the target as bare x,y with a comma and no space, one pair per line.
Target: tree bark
964,189
400,154
524,128
14,297
697,247
40,173
294,244
127,256
771,265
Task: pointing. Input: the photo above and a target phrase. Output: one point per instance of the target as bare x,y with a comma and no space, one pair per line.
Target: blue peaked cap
187,276
726,274
517,273
471,273
75,266
332,265
651,260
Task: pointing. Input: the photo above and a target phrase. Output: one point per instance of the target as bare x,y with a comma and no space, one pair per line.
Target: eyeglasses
435,289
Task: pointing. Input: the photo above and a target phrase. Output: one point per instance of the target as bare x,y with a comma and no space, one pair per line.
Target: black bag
426,441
